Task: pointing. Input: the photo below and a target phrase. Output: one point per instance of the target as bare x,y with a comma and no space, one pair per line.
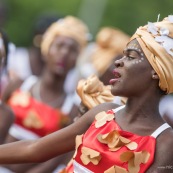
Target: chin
116,91
59,72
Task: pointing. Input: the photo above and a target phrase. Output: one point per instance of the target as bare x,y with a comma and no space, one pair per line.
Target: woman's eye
130,57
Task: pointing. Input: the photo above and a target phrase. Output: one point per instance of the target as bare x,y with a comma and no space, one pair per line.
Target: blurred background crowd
31,85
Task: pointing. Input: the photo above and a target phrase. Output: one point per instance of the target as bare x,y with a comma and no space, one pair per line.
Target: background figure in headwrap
28,61
6,115
132,138
108,47
43,105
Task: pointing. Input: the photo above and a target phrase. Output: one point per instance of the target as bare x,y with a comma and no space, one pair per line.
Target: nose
64,50
119,63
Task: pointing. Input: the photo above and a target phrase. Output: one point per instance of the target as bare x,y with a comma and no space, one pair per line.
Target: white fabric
5,170
68,104
117,100
28,83
80,169
160,129
71,81
166,106
59,168
19,63
22,134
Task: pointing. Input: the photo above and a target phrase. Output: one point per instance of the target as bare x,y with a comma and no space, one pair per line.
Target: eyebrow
130,49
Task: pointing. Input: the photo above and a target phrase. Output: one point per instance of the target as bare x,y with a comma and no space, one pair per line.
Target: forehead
65,40
134,45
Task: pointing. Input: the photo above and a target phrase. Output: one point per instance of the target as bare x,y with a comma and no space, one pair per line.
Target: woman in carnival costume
126,139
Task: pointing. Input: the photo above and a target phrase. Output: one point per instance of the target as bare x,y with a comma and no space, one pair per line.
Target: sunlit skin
131,80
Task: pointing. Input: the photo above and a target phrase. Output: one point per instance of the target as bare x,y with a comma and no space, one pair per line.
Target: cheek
73,56
53,51
70,62
138,73
138,61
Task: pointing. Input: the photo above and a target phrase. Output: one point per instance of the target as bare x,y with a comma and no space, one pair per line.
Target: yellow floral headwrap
110,43
69,26
156,40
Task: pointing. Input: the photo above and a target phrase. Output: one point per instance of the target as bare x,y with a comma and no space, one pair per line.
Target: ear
154,75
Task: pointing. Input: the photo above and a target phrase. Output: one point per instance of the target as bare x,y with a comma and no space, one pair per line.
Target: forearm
17,152
45,148
52,164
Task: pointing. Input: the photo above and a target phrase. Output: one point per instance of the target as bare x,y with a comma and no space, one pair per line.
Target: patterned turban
110,43
93,92
156,40
69,26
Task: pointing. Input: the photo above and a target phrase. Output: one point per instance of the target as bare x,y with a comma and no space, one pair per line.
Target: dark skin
136,119
61,58
108,73
7,119
6,115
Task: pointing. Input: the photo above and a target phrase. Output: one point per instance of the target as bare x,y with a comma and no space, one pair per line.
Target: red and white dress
106,148
34,118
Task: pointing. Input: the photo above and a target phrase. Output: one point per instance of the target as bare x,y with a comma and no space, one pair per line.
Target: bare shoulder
12,86
90,115
164,156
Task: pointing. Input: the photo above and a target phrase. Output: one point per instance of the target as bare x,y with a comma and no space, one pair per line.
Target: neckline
36,92
154,134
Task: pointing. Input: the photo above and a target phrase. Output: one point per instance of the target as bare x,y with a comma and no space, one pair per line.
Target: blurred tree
126,15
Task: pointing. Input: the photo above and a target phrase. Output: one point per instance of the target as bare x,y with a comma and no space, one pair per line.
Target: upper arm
163,160
51,145
6,120
63,140
12,86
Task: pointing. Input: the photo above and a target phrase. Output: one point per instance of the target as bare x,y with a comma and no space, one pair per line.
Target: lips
61,64
117,76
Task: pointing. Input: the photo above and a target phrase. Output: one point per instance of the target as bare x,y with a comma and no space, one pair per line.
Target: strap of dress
119,108
68,104
28,83
160,129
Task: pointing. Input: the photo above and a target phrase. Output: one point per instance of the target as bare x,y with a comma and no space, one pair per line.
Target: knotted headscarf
93,92
110,43
156,40
69,26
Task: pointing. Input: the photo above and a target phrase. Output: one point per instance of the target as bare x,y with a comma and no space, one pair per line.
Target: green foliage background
124,14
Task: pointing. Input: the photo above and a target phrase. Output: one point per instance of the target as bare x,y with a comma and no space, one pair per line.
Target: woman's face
132,73
63,54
